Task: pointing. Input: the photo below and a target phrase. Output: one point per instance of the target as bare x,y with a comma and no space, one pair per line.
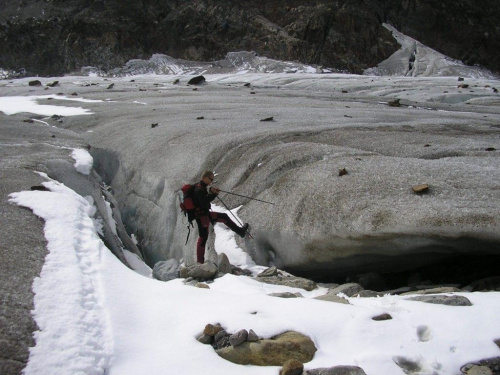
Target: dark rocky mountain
50,37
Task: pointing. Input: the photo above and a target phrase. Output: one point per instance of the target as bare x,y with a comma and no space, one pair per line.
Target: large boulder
271,352
166,270
200,271
443,300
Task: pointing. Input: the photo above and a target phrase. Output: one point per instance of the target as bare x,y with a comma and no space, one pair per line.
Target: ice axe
244,196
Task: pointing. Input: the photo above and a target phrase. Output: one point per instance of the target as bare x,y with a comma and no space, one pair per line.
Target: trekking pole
239,222
244,196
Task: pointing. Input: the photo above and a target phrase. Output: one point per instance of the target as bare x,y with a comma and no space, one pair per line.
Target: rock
39,188
445,289
53,84
463,86
271,271
30,121
212,330
268,119
202,271
332,298
286,295
110,86
407,365
479,370
349,289
176,81
292,367
497,342
196,80
252,336
443,300
35,83
238,338
460,79
223,264
240,272
291,281
202,286
369,294
200,117
336,370
154,125
420,189
166,270
205,339
486,284
342,172
271,352
395,103
382,317
490,149
221,340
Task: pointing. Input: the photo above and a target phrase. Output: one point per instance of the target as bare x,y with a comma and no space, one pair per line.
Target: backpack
187,201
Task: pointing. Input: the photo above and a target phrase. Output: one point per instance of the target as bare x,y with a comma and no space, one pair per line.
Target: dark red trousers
203,224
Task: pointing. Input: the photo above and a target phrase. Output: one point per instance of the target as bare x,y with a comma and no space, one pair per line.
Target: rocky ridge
56,37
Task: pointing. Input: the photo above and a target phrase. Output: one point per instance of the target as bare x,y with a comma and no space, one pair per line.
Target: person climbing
203,195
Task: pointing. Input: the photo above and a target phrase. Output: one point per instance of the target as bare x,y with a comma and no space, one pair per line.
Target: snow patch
83,161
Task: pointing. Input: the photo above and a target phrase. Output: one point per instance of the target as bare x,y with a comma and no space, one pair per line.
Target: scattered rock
349,289
347,116
268,119
463,86
286,295
202,286
238,338
497,342
239,271
252,336
369,294
479,370
345,92
154,125
247,84
292,367
395,103
221,340
407,365
494,90
291,281
110,86
336,370
35,83
382,317
166,270
443,300
460,79
332,298
212,330
444,289
200,118
491,149
271,271
205,339
74,94
176,81
223,264
195,89
206,270
196,80
271,352
342,172
487,284
53,84
420,189
252,92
